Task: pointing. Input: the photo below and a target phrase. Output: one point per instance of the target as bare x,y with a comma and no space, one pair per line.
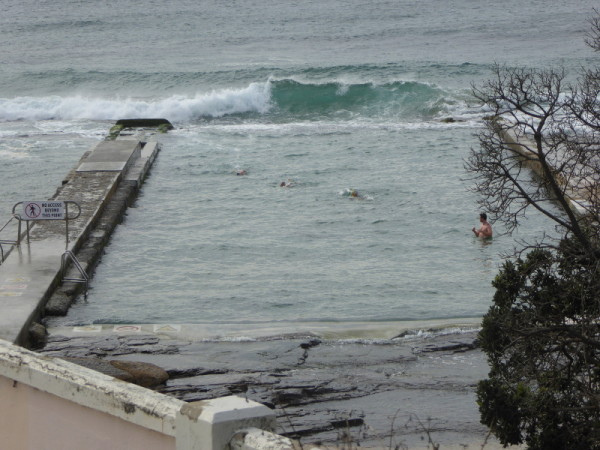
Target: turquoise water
333,95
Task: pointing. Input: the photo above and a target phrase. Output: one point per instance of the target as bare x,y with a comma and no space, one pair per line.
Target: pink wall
33,419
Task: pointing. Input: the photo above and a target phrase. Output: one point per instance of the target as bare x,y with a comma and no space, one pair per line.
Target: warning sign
46,210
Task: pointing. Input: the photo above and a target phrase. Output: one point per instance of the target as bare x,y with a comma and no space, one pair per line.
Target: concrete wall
31,418
49,403
576,191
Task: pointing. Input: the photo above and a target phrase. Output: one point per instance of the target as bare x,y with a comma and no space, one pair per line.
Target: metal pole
67,224
19,232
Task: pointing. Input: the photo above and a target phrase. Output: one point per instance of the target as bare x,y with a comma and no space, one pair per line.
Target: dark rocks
59,304
347,423
109,346
100,365
53,339
289,396
142,340
181,373
451,346
340,388
310,344
143,374
38,335
143,123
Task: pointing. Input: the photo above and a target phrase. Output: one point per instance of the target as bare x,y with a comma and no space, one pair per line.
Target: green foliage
542,333
542,339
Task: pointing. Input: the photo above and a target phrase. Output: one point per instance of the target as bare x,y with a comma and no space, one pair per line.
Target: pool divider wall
104,183
101,230
523,147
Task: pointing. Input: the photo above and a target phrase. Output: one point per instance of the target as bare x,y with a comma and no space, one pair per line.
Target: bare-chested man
485,230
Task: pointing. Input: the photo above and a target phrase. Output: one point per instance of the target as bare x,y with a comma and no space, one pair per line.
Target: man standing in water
485,230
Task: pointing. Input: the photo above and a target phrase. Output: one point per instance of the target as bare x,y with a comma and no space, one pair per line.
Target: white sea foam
14,154
254,98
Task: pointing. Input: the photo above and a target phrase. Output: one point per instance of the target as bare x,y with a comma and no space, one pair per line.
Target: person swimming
353,193
241,172
485,230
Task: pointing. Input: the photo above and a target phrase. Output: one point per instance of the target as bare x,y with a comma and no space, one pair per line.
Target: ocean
329,96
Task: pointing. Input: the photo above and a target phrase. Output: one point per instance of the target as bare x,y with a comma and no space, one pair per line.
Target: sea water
330,96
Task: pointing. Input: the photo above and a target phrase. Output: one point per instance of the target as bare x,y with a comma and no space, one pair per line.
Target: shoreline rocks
319,389
143,374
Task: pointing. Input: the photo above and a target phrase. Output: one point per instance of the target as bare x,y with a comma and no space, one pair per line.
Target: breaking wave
284,100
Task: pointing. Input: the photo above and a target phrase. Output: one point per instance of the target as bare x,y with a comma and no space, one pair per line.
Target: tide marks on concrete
128,328
167,328
88,329
14,286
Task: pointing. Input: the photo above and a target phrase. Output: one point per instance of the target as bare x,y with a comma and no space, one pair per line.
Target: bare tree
537,123
593,39
540,149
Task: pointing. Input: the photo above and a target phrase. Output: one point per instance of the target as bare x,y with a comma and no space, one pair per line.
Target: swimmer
241,172
355,194
485,230
288,183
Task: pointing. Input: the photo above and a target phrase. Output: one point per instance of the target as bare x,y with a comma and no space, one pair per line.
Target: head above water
483,216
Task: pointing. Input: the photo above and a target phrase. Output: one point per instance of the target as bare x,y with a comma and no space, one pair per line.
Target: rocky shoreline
398,392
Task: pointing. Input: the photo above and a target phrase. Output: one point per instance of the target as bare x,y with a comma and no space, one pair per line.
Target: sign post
47,210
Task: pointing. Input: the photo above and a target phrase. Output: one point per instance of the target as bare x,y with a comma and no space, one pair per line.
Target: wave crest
177,108
283,100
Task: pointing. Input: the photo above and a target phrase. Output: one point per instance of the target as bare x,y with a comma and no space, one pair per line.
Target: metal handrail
63,269
7,241
18,241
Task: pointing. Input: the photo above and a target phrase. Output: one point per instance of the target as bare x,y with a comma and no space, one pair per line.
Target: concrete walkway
32,271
